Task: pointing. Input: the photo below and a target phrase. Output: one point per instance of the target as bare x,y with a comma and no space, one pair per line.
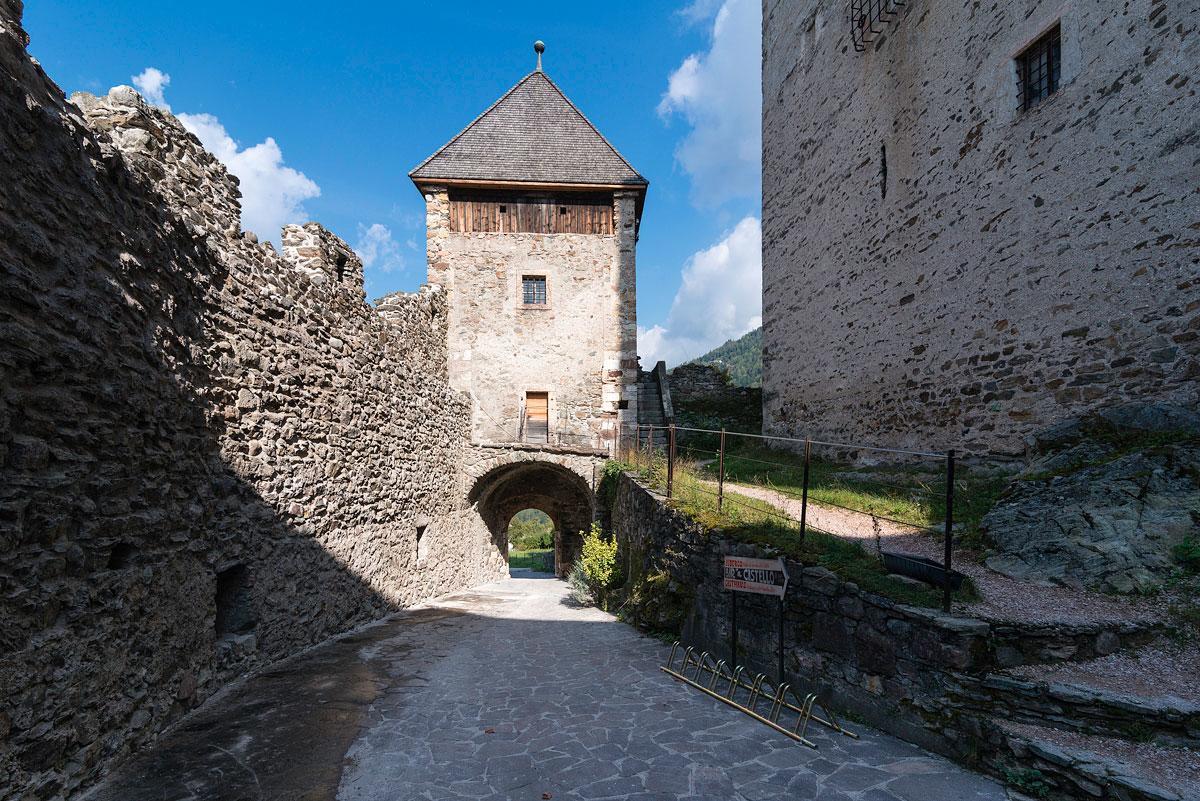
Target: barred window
1038,68
533,290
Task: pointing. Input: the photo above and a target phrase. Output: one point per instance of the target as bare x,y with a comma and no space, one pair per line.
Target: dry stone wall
211,455
928,677
941,269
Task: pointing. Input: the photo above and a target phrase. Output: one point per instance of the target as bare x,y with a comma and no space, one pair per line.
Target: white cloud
720,299
273,194
378,250
719,94
699,10
151,83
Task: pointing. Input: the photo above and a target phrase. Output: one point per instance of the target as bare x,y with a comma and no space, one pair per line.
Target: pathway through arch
509,692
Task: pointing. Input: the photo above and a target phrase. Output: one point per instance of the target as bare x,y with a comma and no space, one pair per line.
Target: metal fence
795,469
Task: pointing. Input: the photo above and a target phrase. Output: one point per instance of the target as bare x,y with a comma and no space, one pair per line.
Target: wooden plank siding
497,213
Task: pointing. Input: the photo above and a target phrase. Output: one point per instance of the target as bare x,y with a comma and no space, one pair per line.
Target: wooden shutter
537,416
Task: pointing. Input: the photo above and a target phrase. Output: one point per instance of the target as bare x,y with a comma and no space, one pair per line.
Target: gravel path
1003,599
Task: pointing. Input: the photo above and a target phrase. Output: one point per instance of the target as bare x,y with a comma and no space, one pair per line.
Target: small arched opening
559,493
531,541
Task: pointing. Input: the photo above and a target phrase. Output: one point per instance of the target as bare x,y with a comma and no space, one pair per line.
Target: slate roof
533,134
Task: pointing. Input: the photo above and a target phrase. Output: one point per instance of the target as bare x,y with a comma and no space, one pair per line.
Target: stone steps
1077,707
1049,763
1027,643
650,411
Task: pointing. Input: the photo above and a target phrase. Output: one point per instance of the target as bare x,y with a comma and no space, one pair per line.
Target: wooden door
537,416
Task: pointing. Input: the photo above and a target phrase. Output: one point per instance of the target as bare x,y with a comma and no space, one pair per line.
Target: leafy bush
599,559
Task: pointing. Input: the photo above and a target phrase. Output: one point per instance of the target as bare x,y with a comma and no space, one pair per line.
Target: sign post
760,577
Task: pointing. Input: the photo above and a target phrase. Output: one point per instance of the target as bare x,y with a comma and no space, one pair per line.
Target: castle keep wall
211,455
1009,268
581,347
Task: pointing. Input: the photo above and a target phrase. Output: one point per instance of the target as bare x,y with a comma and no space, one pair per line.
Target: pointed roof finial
539,47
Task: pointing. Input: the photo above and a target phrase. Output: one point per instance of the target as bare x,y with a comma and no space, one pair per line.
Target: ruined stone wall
1010,268
211,455
581,347
930,678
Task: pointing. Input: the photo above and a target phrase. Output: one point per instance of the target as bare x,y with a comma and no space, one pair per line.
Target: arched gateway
560,481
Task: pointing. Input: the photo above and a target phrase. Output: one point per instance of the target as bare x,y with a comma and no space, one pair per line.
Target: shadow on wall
198,475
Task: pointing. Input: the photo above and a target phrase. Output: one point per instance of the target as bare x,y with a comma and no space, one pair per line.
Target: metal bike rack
702,665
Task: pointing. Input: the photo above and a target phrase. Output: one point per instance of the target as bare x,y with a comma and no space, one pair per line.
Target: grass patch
533,559
915,495
751,520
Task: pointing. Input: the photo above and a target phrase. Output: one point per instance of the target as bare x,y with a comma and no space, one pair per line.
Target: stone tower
977,224
532,224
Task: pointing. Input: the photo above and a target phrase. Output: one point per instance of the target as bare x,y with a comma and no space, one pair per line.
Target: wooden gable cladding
473,211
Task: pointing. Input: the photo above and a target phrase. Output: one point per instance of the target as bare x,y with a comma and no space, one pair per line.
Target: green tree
741,358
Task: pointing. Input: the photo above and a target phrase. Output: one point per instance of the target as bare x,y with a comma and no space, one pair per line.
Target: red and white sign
761,576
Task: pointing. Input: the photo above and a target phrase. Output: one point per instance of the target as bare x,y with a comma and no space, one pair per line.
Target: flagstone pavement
509,692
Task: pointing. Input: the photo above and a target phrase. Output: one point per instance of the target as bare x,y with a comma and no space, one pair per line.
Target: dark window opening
341,268
562,209
1039,68
883,172
235,610
504,209
533,290
121,556
420,536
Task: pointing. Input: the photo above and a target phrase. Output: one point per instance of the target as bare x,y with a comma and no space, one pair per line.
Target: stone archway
551,488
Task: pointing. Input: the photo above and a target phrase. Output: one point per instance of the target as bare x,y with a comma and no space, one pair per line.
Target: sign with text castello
761,576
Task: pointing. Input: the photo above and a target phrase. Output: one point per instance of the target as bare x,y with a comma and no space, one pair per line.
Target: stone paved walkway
507,692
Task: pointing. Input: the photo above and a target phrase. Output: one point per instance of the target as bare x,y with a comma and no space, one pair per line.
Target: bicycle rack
761,688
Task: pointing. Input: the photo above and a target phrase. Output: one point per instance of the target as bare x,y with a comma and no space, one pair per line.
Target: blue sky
322,110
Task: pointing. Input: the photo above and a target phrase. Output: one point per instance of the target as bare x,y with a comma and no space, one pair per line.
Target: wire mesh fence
814,486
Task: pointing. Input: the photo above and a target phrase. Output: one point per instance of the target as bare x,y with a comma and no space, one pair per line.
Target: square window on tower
533,290
1039,68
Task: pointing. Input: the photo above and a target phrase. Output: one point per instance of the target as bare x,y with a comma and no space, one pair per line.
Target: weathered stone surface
942,270
212,455
1103,503
575,707
580,347
916,673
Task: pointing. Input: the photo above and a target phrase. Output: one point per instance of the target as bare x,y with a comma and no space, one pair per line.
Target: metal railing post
721,473
804,488
650,446
949,529
670,459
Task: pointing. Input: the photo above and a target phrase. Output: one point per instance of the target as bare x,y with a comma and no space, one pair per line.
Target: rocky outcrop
1104,502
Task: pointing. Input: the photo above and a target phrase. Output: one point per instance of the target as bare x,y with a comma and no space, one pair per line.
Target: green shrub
599,560
1187,553
579,590
1029,780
